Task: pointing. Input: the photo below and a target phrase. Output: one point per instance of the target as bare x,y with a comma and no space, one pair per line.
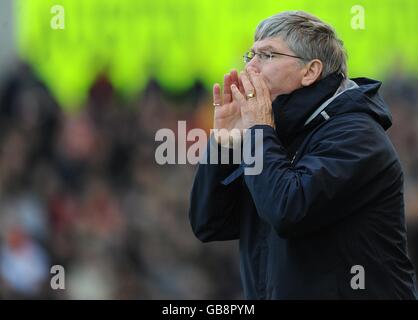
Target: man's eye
264,56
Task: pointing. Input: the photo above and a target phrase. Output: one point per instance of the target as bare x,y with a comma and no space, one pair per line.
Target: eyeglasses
265,56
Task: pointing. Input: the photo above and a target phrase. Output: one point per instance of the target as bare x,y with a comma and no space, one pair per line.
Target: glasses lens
248,56
264,56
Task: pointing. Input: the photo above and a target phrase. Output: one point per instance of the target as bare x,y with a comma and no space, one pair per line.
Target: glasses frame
271,54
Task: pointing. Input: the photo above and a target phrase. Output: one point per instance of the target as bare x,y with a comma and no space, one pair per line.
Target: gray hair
308,37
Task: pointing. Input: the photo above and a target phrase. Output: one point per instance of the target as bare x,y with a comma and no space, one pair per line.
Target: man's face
282,74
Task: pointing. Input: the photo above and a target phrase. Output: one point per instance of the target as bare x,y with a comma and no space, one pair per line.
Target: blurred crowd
83,190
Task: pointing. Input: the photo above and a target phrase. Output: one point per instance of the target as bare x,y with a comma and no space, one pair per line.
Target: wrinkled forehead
270,44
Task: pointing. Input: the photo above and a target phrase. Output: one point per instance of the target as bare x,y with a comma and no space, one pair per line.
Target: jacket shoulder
355,127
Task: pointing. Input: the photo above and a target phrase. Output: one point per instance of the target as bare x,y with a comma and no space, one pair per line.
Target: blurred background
83,89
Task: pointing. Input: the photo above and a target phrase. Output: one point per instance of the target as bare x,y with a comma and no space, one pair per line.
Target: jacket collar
291,111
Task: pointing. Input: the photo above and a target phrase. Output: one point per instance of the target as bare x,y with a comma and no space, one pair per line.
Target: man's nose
254,65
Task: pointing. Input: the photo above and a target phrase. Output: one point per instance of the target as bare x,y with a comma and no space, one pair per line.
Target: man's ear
312,72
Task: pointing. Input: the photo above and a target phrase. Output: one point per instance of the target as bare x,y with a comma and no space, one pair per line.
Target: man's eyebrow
268,47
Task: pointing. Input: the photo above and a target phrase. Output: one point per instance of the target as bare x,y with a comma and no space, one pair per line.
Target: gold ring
216,104
251,95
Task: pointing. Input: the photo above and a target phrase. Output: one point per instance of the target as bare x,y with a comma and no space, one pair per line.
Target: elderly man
325,217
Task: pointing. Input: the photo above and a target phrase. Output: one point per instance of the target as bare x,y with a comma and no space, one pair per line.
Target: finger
248,87
257,83
237,81
217,100
241,86
227,97
263,93
238,97
234,77
263,83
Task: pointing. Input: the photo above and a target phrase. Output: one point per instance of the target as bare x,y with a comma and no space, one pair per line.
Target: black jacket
329,197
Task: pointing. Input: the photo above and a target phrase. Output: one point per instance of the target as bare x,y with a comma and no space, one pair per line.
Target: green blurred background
179,41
